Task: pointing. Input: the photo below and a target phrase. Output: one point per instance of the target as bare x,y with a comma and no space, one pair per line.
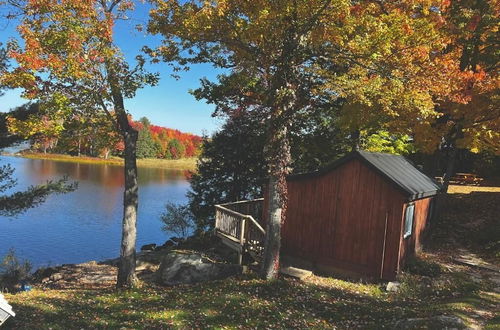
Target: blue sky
168,104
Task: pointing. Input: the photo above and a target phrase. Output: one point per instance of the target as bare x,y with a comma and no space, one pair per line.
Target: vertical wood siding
412,244
339,220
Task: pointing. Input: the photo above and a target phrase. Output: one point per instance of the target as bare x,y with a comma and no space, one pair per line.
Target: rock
56,277
435,322
188,268
168,243
148,247
177,240
43,272
393,287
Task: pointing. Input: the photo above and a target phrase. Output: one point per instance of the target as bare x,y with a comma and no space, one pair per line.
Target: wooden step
301,274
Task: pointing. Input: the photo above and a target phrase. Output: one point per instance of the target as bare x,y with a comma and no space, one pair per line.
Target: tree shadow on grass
239,302
469,221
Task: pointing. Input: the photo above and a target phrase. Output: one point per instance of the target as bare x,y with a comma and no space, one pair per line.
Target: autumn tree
68,50
469,111
43,127
283,56
92,134
423,69
176,149
267,47
14,203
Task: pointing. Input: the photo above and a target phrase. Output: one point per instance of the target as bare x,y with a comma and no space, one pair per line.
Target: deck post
242,241
216,219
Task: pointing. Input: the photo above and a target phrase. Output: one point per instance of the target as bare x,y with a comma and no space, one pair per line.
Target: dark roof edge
357,155
423,195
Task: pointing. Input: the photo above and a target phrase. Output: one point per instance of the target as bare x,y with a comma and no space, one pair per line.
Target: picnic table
466,178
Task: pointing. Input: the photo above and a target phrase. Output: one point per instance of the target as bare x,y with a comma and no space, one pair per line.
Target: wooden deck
239,226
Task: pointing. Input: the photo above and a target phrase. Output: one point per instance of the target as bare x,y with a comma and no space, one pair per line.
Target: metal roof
395,168
403,173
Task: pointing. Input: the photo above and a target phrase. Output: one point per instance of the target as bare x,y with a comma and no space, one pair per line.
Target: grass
243,302
184,163
462,189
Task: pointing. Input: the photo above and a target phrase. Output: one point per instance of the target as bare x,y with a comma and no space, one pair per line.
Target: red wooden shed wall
339,220
413,243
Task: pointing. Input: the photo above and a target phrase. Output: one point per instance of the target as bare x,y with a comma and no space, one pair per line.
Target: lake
85,224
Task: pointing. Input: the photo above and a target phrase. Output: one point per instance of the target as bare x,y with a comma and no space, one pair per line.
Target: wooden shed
362,215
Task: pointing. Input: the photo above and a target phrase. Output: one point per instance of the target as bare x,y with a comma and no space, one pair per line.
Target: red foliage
164,135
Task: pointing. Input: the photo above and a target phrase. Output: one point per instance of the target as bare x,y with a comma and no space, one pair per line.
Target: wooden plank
298,273
221,234
230,242
231,212
243,202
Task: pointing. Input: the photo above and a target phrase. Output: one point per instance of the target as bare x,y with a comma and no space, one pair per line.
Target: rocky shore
177,261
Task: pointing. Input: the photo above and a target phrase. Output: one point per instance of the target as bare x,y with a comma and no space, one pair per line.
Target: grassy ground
247,302
459,189
432,285
184,163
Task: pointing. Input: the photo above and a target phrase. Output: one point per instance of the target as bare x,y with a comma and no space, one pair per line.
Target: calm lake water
85,224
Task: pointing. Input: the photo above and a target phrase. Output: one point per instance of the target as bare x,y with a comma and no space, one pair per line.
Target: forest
95,136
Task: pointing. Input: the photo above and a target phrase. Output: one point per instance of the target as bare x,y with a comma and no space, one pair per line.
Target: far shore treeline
96,137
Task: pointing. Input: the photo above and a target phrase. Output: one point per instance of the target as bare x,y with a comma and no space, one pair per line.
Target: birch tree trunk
126,270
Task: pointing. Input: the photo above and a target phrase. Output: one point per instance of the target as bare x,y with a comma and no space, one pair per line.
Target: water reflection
105,174
86,224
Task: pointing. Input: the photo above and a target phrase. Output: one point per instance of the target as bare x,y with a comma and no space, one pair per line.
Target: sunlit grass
243,302
461,189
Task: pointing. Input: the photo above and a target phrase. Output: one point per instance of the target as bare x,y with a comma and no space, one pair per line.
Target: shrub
13,271
178,219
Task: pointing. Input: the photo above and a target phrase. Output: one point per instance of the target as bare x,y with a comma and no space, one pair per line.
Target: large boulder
188,268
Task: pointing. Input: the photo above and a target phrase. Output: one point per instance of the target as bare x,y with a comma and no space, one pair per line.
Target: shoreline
177,164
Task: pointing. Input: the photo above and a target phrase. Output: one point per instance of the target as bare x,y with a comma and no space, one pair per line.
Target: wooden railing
250,207
238,224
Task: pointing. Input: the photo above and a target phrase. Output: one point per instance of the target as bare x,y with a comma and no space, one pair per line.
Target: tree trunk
450,169
126,270
278,151
271,262
355,135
